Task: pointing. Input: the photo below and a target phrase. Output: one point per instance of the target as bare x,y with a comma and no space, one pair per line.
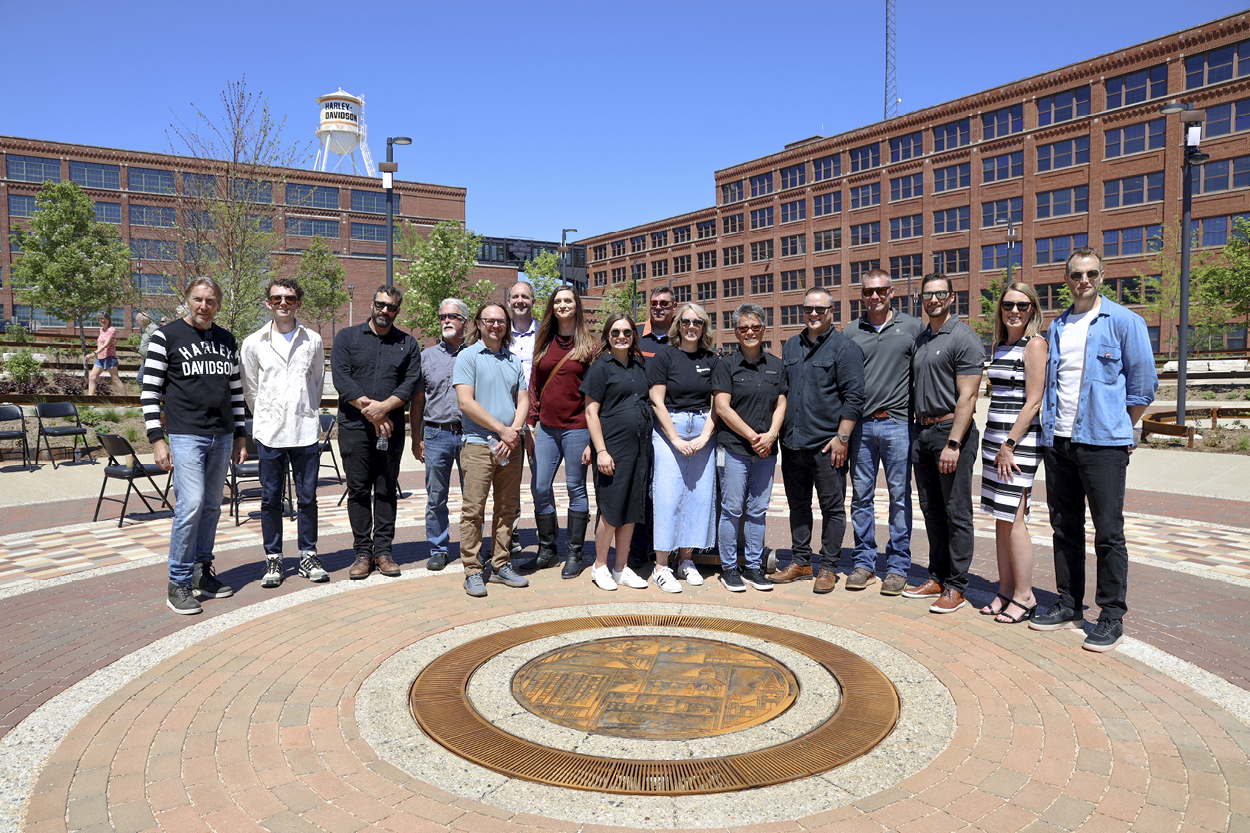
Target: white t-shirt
1071,370
523,345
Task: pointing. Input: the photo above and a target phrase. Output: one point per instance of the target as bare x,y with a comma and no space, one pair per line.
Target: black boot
548,530
576,537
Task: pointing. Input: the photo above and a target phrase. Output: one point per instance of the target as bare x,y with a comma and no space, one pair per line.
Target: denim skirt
683,489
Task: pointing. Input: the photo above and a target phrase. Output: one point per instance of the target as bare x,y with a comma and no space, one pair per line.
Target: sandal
986,611
1027,613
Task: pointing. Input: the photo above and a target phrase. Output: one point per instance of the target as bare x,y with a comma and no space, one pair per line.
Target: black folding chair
14,413
328,422
250,470
57,410
123,464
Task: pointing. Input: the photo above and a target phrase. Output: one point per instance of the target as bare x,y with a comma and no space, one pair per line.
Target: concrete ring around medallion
492,717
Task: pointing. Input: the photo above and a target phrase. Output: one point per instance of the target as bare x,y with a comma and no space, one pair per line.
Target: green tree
71,265
438,267
984,323
620,298
1158,288
321,276
1234,276
544,274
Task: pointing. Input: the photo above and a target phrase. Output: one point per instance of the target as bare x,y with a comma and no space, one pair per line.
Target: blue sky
592,115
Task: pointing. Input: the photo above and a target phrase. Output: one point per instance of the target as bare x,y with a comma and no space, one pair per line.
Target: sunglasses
751,328
494,322
1020,306
661,304
692,322
1092,274
450,316
940,294
876,290
620,333
815,310
382,305
282,299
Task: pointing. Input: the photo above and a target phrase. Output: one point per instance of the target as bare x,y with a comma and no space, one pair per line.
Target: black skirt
622,496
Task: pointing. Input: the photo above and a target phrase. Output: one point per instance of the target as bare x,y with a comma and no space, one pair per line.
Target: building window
707,260
950,261
995,256
1065,106
952,219
733,255
761,251
762,284
154,249
1217,65
903,148
731,224
1228,118
1000,212
1063,201
638,271
312,196
1002,122
827,240
638,244
659,268
150,180
659,239
1063,154
865,195
860,268
618,274
681,264
906,266
1215,176
618,248
902,228
827,167
793,279
707,291
307,227
1136,138
1132,241
733,287
1058,249
795,244
27,314
869,156
792,211
827,275
792,315
106,212
952,135
23,205
601,278
906,187
1132,190
253,190
601,251
705,229
371,233
865,233
761,217
95,175
794,176
727,322
826,204
1004,166
681,294
370,202
950,178
681,234
32,168
761,184
152,215
731,192
1137,86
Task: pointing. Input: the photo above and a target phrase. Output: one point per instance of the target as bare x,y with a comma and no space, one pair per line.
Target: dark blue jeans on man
946,502
801,471
442,451
886,441
304,463
1076,472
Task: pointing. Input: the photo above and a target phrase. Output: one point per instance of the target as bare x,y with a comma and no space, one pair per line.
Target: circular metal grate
868,713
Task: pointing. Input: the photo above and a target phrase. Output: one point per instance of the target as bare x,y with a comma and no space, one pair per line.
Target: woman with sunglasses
1009,447
683,488
563,351
618,418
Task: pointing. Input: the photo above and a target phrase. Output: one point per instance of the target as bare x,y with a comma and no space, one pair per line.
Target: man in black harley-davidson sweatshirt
193,368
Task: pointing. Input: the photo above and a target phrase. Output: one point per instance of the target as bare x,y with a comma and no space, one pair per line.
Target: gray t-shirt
954,350
887,362
437,364
496,379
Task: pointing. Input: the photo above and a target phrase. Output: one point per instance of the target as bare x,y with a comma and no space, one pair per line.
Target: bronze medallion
655,688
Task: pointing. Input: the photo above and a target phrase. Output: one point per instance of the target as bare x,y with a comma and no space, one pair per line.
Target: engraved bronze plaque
655,688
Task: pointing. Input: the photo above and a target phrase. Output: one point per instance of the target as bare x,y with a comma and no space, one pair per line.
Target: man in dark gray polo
946,377
884,434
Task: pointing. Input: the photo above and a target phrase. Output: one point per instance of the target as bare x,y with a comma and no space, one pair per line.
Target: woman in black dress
619,416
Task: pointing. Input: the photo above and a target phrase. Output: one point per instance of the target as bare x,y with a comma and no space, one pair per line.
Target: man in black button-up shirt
825,377
376,368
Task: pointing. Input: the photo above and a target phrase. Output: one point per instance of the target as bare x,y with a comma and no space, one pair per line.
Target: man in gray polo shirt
492,389
946,377
436,433
884,434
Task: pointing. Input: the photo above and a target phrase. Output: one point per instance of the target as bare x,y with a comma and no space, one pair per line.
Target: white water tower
341,130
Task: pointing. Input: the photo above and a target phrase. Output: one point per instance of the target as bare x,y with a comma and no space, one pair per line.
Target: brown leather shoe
950,601
860,578
792,572
826,581
893,585
931,589
361,567
386,565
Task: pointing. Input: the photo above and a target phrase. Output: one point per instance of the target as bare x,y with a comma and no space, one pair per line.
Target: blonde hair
1031,327
706,340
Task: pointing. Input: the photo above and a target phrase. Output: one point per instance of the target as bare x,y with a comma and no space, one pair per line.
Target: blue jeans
200,466
442,451
745,482
551,445
887,441
305,463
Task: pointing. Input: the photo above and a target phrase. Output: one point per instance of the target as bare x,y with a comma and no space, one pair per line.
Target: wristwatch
953,444
1010,443
846,438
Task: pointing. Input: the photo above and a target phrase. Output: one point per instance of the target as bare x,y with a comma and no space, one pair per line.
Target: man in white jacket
283,370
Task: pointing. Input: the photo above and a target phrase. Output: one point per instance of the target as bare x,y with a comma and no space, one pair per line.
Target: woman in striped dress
1009,450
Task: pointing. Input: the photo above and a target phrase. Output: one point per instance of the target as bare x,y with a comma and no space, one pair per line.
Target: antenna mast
891,76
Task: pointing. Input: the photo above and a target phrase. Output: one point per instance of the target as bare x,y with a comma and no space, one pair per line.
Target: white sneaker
691,573
628,578
602,577
665,580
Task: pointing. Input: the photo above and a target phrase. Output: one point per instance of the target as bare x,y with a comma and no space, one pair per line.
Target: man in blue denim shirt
1100,376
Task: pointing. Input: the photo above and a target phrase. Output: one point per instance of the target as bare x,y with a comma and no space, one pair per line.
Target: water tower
341,130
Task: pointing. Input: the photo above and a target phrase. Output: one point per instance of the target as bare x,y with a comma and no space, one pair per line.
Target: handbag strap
554,371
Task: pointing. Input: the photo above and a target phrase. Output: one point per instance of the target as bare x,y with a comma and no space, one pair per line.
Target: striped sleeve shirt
195,373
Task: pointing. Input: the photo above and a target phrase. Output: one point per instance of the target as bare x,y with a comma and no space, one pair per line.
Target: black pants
372,486
801,470
1076,472
946,502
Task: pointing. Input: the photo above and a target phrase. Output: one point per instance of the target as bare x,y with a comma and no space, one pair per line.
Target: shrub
70,384
132,433
1243,444
1208,394
23,367
18,332
109,414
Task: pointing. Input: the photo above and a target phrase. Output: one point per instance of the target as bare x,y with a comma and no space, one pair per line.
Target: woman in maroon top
563,349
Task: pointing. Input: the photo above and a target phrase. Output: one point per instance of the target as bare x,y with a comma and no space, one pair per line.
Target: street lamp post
351,304
564,252
1191,135
388,169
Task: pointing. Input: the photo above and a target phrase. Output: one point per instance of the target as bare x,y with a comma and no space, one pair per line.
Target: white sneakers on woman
629,578
602,577
665,580
606,579
690,573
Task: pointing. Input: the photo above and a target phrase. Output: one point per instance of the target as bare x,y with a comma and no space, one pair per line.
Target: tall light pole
388,169
351,304
1191,135
564,252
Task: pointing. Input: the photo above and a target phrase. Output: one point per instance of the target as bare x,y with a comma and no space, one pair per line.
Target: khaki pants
480,473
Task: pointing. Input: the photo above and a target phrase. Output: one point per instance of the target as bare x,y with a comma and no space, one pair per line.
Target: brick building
1079,155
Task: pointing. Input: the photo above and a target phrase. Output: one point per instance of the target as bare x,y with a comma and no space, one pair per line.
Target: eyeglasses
661,304
382,305
1092,274
282,299
1021,306
692,322
751,328
940,294
620,333
815,310
876,290
493,322
450,316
